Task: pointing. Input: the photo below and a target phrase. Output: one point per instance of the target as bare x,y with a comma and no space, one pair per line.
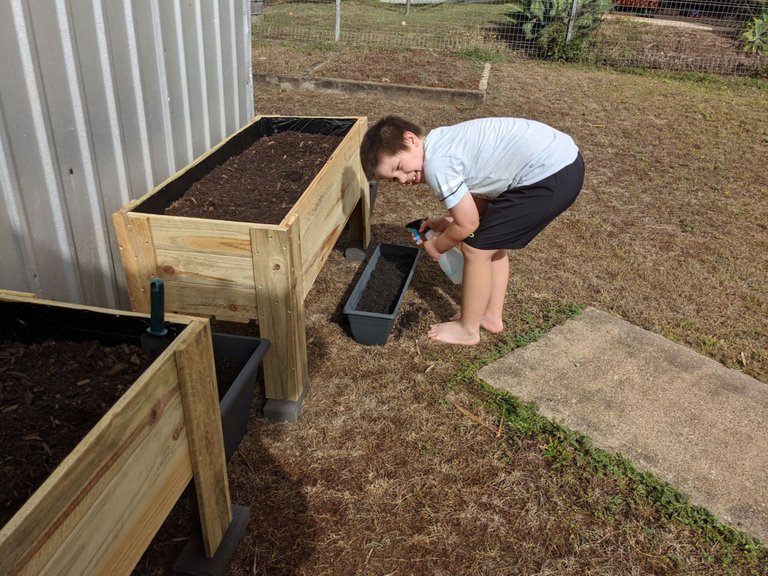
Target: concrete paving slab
693,422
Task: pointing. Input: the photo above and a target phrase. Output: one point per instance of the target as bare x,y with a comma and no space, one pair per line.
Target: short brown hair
385,137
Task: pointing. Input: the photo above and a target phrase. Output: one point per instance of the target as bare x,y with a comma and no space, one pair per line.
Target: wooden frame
100,508
239,270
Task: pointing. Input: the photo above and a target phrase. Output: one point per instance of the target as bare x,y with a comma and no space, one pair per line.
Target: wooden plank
175,318
119,526
137,253
202,268
56,510
322,222
225,303
176,233
16,293
199,395
360,219
280,301
328,203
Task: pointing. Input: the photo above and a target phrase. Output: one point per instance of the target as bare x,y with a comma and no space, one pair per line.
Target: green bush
545,22
756,35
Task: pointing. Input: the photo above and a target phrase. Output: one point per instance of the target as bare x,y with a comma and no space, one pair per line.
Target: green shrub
545,22
756,35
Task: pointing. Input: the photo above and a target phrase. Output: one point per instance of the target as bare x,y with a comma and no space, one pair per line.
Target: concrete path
693,422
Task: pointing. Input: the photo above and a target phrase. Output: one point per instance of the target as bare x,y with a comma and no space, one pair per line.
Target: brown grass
384,475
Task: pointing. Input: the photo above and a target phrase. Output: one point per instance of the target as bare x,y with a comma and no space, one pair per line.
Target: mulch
51,394
262,183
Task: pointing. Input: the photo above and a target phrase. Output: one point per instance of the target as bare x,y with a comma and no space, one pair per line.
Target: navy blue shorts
517,215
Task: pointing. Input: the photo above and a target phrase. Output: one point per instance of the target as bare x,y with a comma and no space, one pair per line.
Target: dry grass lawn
383,474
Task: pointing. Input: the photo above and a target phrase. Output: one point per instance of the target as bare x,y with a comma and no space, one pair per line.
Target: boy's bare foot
453,333
489,325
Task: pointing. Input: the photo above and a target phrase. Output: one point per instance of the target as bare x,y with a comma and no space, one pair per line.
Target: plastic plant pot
235,404
373,326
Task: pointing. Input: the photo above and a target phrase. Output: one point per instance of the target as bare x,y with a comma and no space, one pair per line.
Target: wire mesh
692,35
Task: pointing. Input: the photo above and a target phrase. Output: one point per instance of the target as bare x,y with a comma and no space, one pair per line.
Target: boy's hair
385,138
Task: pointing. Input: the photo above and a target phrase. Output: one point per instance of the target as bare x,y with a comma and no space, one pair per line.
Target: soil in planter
262,183
51,395
385,284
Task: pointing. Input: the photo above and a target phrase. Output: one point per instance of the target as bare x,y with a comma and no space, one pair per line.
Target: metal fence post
337,34
571,20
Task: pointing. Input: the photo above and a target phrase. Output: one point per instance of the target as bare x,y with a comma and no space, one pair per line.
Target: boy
501,179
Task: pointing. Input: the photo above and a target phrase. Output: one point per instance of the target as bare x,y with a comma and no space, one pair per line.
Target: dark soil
410,315
386,283
51,395
262,183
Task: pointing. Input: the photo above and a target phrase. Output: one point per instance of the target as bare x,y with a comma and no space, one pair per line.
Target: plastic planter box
235,405
373,328
99,509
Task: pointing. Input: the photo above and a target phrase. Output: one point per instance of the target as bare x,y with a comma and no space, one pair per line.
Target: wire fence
706,36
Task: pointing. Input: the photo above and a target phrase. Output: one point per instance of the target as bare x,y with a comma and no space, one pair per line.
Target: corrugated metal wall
99,101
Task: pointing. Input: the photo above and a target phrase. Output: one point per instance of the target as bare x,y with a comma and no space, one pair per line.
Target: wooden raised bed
99,509
240,271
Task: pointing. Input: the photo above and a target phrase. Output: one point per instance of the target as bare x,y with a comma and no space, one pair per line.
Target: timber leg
360,221
280,304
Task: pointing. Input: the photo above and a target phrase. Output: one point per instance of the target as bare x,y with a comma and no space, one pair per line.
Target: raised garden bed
101,505
238,269
436,76
375,301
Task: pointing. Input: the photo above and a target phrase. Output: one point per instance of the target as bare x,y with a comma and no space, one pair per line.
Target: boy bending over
502,181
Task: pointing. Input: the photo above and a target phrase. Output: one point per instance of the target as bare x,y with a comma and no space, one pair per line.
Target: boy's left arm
466,219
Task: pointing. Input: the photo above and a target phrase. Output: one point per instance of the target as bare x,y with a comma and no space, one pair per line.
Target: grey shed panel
99,102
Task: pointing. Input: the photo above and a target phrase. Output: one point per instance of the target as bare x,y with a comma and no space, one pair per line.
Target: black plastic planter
235,404
372,315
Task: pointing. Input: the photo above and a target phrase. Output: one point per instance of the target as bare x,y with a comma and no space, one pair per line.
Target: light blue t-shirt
486,156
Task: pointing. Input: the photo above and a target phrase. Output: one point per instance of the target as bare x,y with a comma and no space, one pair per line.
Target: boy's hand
431,248
437,225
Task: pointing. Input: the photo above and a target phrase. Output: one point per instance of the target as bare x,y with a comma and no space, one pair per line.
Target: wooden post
197,380
137,252
360,219
280,303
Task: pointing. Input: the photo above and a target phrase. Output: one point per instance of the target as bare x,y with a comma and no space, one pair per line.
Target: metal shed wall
101,100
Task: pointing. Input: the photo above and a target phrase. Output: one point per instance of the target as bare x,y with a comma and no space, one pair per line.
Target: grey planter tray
235,405
373,328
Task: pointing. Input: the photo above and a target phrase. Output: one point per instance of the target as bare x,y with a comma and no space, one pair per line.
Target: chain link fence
721,36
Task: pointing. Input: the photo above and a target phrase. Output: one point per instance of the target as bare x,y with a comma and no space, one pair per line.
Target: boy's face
406,166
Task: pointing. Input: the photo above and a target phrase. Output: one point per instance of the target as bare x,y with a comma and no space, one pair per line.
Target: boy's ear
410,138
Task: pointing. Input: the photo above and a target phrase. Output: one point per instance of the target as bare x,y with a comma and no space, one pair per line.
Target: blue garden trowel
154,340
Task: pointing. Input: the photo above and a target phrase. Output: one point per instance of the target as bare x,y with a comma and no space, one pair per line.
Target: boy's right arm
437,225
